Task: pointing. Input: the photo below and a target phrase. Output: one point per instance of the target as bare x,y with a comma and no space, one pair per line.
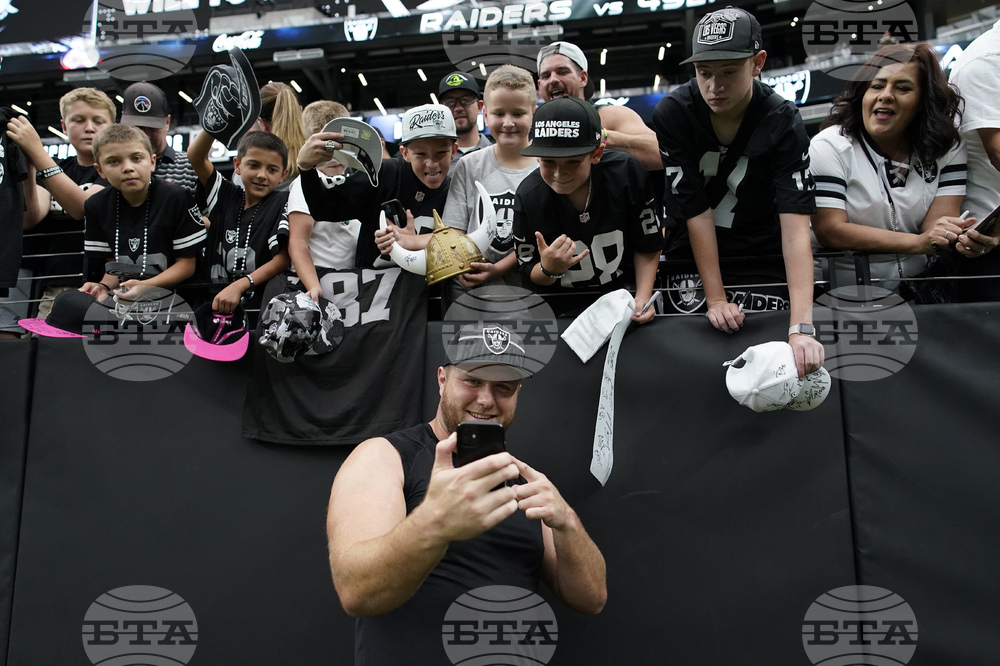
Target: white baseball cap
764,377
429,121
815,388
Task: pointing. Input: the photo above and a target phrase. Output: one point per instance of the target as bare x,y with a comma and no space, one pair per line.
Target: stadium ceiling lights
423,77
295,85
364,81
184,96
58,133
380,107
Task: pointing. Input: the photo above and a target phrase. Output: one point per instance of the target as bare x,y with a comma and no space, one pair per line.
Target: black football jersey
623,220
13,170
770,177
355,198
241,241
114,228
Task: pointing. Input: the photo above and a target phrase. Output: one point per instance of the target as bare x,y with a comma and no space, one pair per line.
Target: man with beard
562,70
460,93
409,533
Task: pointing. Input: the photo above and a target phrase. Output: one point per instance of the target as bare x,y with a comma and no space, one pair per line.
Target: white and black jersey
117,231
622,221
355,198
853,176
241,240
770,175
13,171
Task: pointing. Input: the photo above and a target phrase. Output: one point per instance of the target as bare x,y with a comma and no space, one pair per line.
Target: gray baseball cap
489,351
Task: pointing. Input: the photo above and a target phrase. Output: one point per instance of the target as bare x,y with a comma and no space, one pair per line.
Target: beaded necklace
585,215
145,227
246,246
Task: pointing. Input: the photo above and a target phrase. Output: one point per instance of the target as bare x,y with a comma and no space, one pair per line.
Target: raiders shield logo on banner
231,236
133,244
496,339
360,30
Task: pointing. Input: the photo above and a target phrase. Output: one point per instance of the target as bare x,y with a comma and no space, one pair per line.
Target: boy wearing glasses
460,93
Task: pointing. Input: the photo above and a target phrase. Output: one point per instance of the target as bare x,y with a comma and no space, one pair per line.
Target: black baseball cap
145,105
489,351
65,319
564,127
725,34
458,81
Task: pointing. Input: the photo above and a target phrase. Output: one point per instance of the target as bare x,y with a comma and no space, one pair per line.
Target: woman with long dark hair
890,167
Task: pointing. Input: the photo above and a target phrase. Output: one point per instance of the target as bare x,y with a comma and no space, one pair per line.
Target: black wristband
554,276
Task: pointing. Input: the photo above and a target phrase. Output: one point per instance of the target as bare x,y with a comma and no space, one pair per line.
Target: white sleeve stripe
97,246
213,195
188,241
830,202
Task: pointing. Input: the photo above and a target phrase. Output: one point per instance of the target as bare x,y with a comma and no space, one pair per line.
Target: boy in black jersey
248,230
417,177
586,217
736,160
152,230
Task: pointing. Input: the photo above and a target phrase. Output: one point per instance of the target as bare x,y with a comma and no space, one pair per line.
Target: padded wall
16,360
720,526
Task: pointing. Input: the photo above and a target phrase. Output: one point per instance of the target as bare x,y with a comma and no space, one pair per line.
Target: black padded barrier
720,526
924,459
16,360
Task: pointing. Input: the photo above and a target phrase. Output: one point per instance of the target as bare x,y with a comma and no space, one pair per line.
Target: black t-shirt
114,228
228,258
770,177
355,198
623,220
509,554
60,233
13,170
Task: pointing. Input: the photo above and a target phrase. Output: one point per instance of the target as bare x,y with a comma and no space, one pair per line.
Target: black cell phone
394,212
985,225
477,440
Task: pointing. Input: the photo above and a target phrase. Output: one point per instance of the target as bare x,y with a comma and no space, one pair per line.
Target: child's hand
315,293
130,290
98,290
480,273
316,149
560,256
385,238
21,132
227,299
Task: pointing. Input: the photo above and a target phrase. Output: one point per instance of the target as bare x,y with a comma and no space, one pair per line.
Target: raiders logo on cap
717,27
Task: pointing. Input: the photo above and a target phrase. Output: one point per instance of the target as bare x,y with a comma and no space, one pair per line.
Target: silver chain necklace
585,215
145,227
246,246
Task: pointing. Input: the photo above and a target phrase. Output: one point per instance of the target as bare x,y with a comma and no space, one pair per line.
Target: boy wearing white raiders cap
736,160
417,178
586,220
562,70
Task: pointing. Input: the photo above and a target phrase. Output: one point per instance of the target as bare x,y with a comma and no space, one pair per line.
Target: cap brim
493,372
429,136
710,56
143,121
546,151
39,327
363,153
230,352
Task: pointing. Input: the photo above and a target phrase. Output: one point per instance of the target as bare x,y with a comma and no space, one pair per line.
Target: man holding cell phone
409,532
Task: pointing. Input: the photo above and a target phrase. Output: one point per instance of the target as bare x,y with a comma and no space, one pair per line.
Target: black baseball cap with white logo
458,81
564,127
725,34
145,105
